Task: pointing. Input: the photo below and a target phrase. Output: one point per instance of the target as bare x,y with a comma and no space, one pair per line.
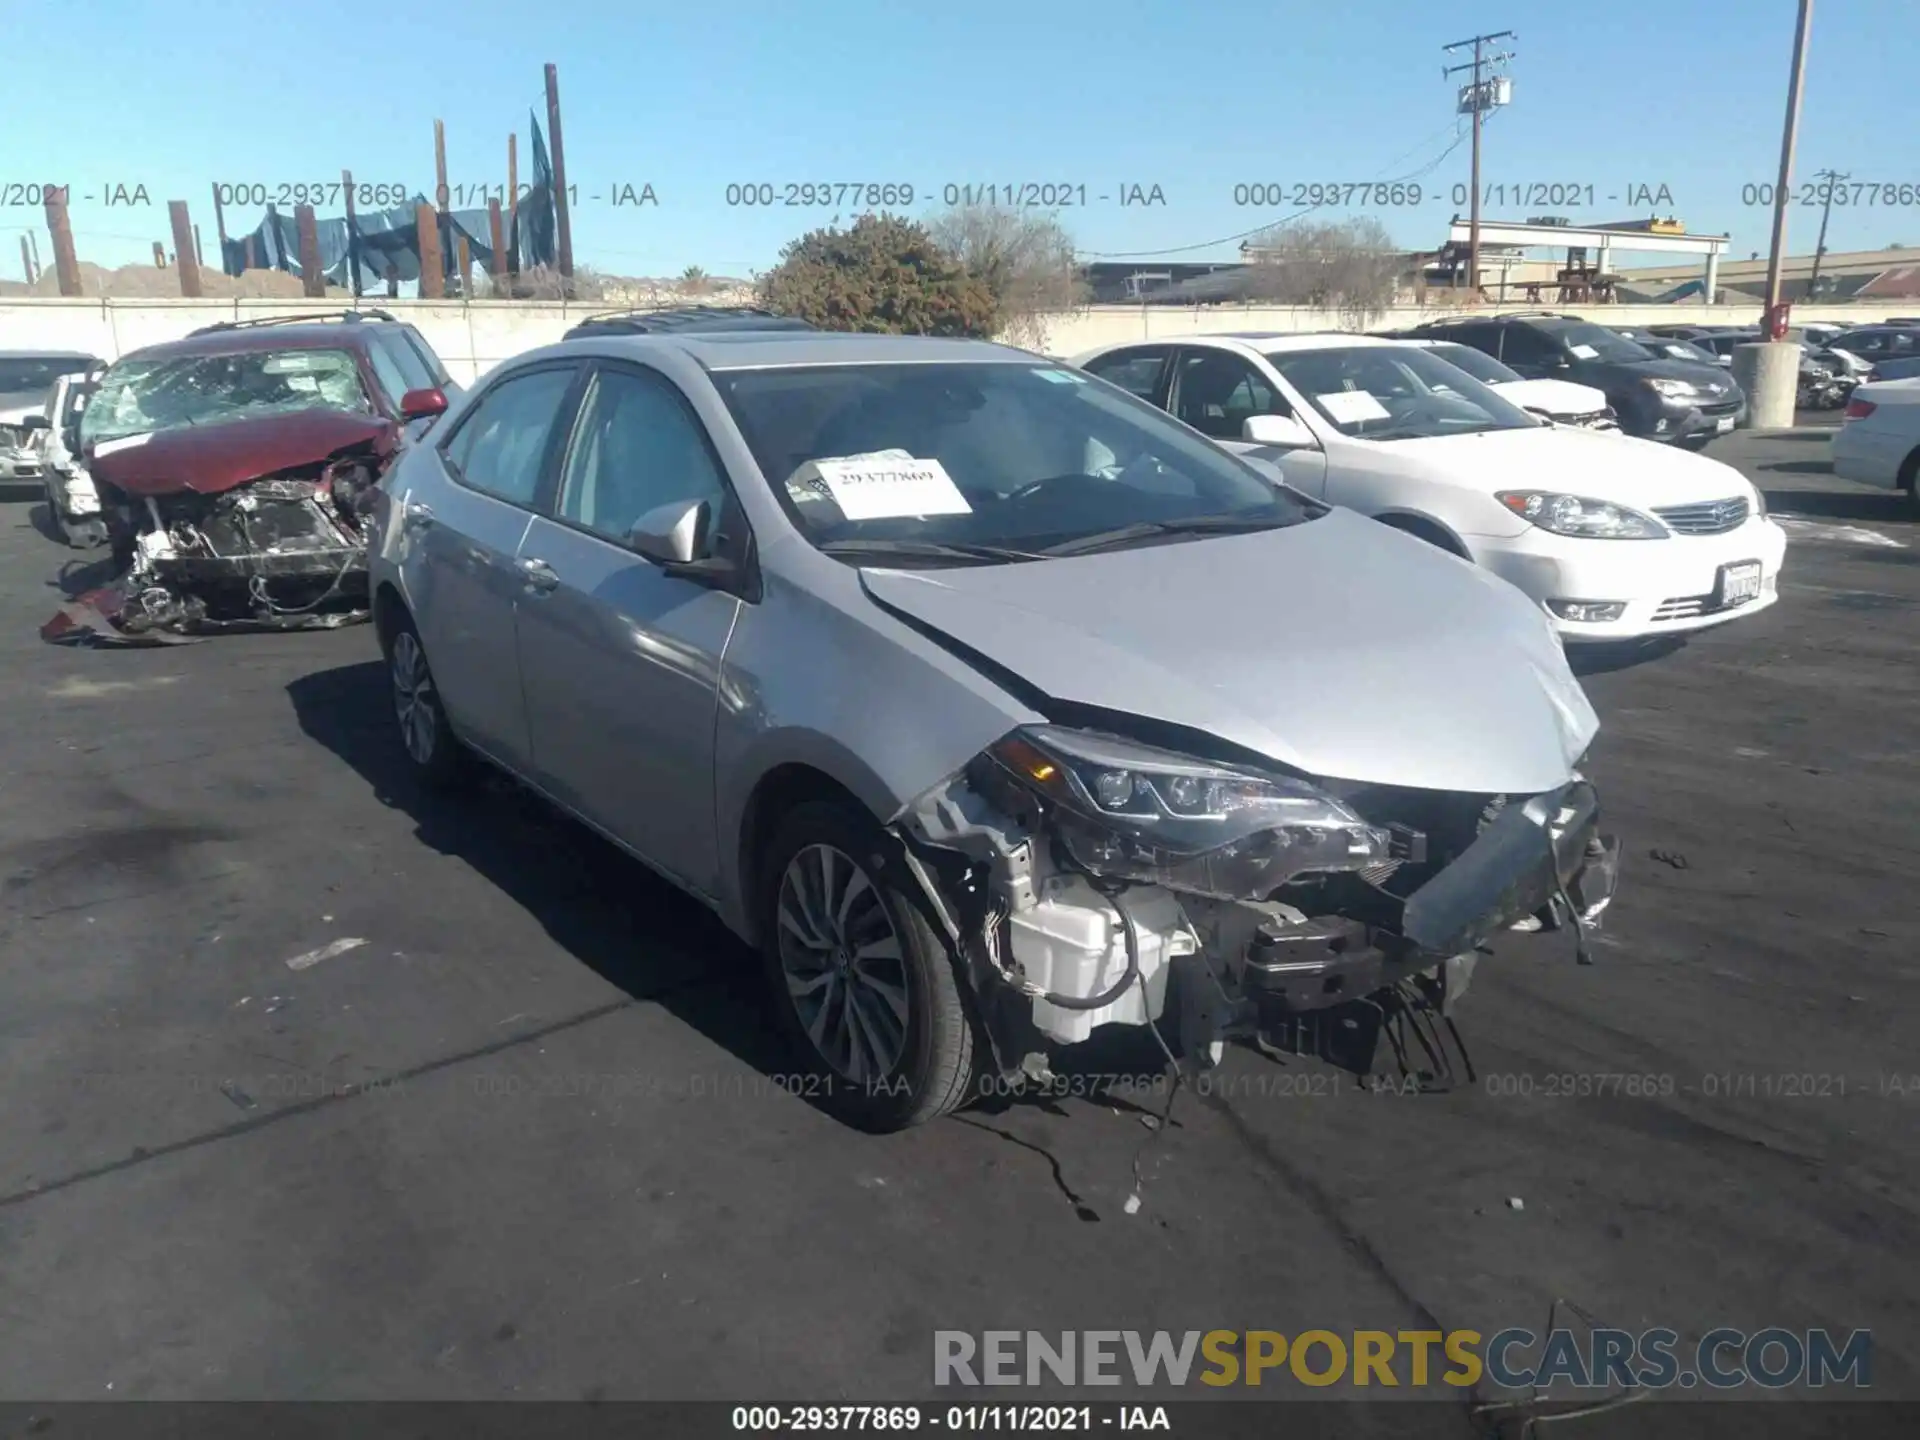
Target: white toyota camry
1616,538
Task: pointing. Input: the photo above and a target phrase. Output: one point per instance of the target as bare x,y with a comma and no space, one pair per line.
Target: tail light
1859,409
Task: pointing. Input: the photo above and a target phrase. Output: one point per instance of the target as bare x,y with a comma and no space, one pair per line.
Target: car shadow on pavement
1879,506
1800,467
1606,658
620,919
597,903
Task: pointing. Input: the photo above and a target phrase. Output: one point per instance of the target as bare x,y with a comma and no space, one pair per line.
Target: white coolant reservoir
1072,943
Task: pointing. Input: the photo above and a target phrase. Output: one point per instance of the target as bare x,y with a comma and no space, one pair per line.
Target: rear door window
502,444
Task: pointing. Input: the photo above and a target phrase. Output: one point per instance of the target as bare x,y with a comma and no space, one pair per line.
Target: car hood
210,459
1600,464
15,407
1555,397
1337,647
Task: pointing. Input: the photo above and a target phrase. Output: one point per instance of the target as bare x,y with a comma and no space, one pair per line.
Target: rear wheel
425,736
862,984
1909,481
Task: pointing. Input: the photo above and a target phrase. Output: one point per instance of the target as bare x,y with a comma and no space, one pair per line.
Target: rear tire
1909,481
864,987
433,753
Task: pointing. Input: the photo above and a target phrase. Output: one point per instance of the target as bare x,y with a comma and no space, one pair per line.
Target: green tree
883,275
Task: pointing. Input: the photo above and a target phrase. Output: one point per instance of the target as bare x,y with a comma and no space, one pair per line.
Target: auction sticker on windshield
886,485
1585,352
1350,407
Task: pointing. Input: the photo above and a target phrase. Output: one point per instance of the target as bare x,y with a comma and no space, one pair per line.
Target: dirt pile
150,282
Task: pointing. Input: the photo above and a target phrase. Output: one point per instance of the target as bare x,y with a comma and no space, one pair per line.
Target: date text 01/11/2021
1395,194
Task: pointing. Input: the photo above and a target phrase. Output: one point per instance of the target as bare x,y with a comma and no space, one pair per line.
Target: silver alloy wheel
414,702
845,971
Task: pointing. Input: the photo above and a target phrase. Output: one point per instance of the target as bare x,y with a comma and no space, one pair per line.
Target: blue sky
1192,96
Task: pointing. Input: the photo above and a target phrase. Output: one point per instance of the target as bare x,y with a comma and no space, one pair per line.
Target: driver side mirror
419,404
673,534
1284,432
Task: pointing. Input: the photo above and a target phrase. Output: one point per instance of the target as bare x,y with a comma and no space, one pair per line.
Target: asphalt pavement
525,1136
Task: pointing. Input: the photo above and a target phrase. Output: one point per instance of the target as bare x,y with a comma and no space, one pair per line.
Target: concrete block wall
475,336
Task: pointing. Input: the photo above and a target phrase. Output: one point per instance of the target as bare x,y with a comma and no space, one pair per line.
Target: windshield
1477,363
1595,342
136,396
22,377
1396,392
1020,457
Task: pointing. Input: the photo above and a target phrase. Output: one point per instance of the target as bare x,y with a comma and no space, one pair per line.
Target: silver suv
989,703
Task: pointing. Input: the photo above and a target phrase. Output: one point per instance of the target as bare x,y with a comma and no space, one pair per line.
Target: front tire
863,985
426,739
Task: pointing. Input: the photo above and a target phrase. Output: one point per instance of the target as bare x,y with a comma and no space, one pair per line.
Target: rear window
394,347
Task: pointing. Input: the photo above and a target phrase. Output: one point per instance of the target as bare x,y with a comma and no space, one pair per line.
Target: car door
620,659
464,505
1217,392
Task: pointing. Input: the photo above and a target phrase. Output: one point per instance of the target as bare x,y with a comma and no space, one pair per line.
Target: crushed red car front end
251,524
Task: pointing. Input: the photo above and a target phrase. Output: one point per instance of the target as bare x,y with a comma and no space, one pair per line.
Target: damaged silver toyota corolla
993,705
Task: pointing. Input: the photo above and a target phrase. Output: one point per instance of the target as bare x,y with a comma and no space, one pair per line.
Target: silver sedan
990,704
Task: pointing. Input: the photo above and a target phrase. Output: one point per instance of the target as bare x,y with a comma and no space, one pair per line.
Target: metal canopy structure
1605,241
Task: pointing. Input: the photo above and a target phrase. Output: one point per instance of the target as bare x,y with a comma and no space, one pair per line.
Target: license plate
1739,583
1724,424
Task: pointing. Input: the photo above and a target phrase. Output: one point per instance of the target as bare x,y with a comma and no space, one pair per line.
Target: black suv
1655,398
680,321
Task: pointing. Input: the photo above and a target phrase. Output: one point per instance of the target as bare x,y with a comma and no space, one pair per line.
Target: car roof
765,349
316,336
49,355
685,319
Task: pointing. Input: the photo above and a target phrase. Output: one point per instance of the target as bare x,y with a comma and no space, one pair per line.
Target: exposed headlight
1672,389
1135,812
1579,516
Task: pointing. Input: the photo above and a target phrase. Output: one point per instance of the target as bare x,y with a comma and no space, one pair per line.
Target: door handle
416,515
538,575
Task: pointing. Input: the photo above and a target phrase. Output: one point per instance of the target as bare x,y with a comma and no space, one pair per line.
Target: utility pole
1795,81
1833,178
1479,100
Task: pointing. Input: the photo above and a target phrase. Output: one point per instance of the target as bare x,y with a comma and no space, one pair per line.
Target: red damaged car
236,468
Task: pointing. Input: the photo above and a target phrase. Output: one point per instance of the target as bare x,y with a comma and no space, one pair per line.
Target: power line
1267,225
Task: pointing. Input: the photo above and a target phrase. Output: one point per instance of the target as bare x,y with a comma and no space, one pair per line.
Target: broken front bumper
1544,860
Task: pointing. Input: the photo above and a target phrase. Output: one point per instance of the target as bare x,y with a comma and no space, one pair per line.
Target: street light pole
1777,255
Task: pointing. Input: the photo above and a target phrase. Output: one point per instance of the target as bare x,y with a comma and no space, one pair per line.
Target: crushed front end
1089,879
285,551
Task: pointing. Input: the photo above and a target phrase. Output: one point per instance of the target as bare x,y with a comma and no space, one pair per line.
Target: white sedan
1878,442
1615,538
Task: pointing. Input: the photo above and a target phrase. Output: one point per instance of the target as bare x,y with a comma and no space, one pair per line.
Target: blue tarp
389,237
